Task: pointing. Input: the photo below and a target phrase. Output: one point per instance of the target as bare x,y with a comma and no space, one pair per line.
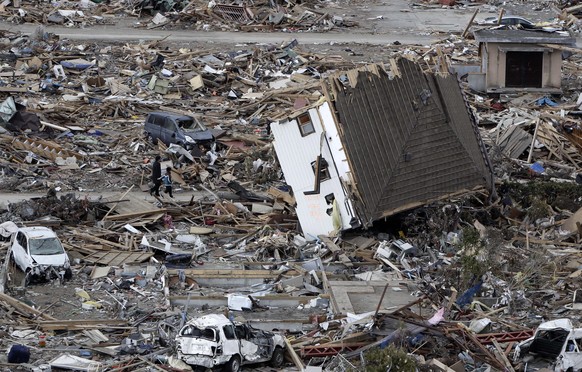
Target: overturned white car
556,344
38,252
213,340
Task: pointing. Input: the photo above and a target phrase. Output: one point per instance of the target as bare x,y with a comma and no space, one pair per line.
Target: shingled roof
410,138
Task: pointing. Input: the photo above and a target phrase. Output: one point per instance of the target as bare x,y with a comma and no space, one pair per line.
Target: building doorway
524,69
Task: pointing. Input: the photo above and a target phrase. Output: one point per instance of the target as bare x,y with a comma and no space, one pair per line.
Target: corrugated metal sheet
409,139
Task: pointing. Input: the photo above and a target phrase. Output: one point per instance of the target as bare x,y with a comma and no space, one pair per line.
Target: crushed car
556,344
214,340
38,252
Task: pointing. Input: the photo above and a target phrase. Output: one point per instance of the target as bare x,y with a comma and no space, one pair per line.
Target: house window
323,169
524,69
305,125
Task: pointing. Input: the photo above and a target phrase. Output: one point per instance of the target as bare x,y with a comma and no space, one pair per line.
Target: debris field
415,207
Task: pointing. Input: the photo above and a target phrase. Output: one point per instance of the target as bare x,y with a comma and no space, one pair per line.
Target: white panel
333,140
295,154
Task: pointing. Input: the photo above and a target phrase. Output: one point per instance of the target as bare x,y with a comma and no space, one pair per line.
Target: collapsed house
519,60
378,144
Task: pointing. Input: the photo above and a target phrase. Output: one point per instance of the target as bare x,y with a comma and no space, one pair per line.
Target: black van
183,130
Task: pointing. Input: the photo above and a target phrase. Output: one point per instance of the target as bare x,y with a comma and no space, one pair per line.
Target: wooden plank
99,240
278,194
228,273
294,357
23,308
13,89
329,244
533,140
502,356
116,217
466,30
117,202
117,258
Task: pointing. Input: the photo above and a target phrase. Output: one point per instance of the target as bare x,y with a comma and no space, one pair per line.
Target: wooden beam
329,243
136,214
501,13
115,205
228,273
294,356
99,240
23,308
464,34
502,356
533,141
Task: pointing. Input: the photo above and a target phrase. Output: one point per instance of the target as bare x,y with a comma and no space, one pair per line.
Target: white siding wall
295,154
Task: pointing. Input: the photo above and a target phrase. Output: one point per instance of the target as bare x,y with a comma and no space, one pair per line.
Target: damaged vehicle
556,345
38,252
183,130
214,341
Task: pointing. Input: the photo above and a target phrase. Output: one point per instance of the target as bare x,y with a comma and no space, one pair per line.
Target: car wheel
278,357
233,364
68,274
151,139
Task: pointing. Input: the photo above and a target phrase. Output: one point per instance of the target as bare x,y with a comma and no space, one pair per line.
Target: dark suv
183,130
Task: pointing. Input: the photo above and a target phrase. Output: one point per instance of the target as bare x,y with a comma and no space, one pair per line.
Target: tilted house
379,143
519,60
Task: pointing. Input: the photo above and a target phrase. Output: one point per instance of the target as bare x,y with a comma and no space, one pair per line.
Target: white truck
213,340
556,344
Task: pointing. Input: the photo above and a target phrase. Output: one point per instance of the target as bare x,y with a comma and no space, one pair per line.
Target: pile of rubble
207,16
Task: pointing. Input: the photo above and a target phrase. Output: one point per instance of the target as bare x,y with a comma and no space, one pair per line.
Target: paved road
124,33
380,23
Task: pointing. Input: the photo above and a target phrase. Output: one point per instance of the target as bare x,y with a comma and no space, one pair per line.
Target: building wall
296,153
494,64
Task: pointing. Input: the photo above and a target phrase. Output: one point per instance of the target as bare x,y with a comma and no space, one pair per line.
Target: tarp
75,363
7,229
7,109
24,121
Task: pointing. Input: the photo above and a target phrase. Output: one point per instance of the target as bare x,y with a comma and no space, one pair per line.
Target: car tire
278,357
151,139
68,274
233,364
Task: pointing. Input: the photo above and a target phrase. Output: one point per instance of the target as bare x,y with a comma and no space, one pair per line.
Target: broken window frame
21,239
323,169
169,124
201,333
229,332
305,124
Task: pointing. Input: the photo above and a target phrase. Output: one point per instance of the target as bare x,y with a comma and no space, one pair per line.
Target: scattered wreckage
427,265
214,340
556,344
